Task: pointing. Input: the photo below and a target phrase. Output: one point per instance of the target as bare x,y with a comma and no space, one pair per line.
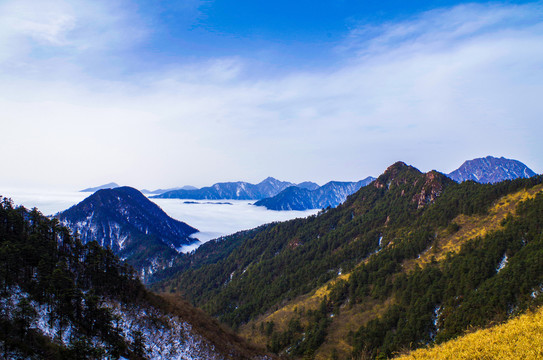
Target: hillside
447,242
491,170
62,299
519,338
349,282
131,225
330,194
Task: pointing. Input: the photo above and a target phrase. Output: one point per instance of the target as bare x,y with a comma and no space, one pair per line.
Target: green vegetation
371,236
41,259
73,286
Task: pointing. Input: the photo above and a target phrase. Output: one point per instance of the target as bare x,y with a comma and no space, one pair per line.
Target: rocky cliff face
432,188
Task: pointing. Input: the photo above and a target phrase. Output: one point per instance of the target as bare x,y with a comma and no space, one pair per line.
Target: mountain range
410,260
481,170
278,195
239,190
330,194
131,225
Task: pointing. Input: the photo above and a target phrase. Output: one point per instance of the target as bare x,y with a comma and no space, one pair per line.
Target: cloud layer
79,108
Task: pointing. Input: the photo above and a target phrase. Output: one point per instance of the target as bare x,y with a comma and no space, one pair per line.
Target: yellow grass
282,316
349,319
519,338
472,227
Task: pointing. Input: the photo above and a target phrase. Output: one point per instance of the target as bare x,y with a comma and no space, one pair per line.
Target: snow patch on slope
165,336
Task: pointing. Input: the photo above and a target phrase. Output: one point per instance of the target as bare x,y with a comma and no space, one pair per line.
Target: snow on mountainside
309,185
231,190
330,194
163,336
491,170
131,225
62,299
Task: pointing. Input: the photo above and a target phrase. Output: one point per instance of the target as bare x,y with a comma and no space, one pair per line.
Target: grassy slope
473,226
519,338
351,318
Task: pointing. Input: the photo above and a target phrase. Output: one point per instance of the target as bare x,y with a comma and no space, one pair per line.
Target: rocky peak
434,183
396,174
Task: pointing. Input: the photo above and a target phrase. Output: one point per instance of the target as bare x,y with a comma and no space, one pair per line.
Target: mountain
131,225
411,260
491,170
309,185
162,191
329,195
110,185
62,299
231,190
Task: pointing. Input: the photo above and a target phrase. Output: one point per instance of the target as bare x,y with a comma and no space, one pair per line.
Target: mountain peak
110,185
269,179
491,169
397,173
309,185
124,220
396,165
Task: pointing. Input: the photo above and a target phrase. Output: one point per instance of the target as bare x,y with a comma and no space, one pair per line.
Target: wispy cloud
55,34
433,90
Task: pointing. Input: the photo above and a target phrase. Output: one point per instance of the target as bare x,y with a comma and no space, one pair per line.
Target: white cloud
447,86
34,33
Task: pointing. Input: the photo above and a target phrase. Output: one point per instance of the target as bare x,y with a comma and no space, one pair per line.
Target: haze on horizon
157,95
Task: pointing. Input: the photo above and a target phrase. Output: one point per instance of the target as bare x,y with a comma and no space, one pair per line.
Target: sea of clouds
213,218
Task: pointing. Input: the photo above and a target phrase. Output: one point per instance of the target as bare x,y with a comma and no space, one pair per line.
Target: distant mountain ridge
162,191
239,190
110,185
330,194
491,170
309,185
134,227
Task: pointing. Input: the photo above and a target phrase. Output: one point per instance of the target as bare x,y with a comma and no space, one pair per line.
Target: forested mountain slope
62,299
135,228
366,251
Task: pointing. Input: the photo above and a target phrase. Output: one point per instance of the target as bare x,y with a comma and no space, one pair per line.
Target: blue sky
160,93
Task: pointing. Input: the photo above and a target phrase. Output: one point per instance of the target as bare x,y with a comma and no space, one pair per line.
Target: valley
405,228
271,180
409,260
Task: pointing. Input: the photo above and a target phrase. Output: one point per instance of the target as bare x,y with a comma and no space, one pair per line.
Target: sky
157,93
